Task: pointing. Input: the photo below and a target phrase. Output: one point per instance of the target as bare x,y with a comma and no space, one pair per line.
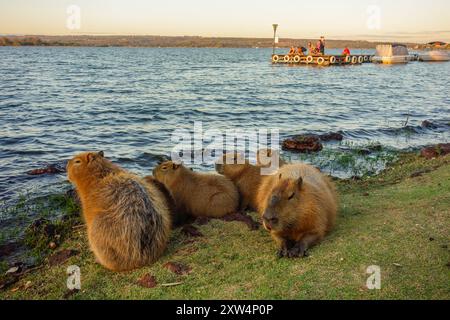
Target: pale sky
401,20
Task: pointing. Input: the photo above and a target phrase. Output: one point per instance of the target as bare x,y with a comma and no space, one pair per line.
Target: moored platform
321,60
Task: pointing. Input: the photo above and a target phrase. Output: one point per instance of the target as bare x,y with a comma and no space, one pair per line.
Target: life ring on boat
354,60
348,59
366,58
275,58
309,59
320,61
297,59
333,60
286,58
360,59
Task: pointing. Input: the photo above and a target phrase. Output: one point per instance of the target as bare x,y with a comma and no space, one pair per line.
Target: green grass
349,159
386,220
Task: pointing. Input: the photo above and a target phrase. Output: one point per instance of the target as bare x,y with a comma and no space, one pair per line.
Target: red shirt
346,52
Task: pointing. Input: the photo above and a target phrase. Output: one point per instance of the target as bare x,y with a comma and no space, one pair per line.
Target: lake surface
55,102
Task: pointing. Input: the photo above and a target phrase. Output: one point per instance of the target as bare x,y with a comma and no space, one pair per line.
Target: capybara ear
300,182
176,166
101,154
90,157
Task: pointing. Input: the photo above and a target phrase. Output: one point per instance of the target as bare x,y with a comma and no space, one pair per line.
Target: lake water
55,102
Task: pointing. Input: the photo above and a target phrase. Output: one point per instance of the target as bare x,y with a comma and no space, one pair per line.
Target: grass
394,221
348,159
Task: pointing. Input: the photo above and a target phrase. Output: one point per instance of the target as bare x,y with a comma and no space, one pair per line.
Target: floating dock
320,60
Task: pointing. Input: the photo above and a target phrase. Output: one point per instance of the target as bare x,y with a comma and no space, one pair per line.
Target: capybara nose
270,219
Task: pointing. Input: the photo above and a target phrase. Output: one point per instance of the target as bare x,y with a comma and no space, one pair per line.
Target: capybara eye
164,168
292,196
77,161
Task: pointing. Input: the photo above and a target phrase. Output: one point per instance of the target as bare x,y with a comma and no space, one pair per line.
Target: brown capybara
299,207
245,176
198,194
128,219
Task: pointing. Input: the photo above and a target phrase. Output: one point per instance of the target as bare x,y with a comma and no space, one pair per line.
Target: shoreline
55,238
150,41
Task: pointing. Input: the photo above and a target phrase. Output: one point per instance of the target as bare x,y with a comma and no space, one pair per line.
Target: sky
383,20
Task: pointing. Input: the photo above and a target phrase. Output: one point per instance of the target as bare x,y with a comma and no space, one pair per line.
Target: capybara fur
299,207
245,176
176,218
198,194
128,219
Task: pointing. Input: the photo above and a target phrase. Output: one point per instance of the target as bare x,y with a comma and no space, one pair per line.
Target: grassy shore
399,220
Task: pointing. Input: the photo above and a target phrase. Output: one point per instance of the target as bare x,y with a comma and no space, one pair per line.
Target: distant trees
169,42
21,41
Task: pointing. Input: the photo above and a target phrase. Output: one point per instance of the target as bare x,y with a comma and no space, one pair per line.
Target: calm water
55,102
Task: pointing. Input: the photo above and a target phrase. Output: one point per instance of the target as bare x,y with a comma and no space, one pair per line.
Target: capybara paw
298,251
282,253
295,253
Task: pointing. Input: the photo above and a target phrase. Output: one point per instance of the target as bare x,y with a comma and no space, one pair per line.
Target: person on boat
321,45
292,51
346,52
312,50
301,50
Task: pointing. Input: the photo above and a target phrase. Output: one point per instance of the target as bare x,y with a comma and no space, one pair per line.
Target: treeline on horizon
168,42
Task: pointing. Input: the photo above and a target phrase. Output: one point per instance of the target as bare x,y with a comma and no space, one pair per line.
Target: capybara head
282,206
167,171
231,165
85,164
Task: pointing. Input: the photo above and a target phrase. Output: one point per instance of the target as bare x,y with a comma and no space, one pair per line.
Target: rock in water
303,144
428,124
331,136
51,169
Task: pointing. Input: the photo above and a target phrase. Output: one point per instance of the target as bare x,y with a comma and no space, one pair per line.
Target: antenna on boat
275,27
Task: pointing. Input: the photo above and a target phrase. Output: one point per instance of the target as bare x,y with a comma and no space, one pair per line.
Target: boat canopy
389,50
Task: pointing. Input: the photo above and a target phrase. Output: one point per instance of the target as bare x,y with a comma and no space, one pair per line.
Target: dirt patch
61,257
7,281
187,251
201,221
70,293
191,231
8,249
436,151
178,268
419,173
147,281
242,217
